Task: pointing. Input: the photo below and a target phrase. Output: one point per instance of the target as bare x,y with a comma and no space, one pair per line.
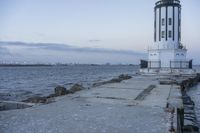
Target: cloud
65,47
63,53
4,51
94,41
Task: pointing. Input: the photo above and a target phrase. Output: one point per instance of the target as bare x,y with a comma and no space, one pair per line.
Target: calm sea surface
19,83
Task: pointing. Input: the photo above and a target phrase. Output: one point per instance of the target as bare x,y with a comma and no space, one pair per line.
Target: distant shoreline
41,65
54,65
21,65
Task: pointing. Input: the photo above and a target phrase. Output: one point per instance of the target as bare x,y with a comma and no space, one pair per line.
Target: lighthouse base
167,58
170,71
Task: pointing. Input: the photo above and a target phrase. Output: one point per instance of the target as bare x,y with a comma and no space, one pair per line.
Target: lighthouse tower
167,51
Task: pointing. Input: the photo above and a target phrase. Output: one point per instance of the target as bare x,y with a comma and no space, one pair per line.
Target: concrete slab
109,108
74,116
123,94
138,82
175,97
158,97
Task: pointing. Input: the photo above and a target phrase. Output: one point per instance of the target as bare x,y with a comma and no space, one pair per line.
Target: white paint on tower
167,50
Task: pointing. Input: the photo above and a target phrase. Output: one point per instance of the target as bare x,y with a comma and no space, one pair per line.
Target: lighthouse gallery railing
172,65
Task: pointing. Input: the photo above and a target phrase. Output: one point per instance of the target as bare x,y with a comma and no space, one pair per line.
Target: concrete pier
138,105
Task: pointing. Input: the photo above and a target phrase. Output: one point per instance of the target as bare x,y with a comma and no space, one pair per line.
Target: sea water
19,83
194,93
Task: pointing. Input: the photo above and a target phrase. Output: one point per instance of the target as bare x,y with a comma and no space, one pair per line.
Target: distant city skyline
122,25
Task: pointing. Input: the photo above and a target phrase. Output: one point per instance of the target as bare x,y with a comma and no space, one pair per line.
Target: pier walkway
136,105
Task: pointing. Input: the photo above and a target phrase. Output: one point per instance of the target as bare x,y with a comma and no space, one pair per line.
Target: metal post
159,64
150,64
181,64
172,130
170,64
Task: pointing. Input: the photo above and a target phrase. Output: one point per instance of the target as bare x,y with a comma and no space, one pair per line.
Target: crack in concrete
145,92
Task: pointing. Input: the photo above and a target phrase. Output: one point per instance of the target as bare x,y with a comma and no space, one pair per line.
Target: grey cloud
65,47
38,45
4,51
94,40
53,53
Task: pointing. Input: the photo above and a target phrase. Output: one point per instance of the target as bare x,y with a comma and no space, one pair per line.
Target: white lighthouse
167,52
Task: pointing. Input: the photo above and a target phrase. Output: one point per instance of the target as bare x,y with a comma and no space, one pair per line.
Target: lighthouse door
166,57
165,63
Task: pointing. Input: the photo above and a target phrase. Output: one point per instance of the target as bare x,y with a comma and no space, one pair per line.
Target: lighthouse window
163,34
170,34
163,21
170,21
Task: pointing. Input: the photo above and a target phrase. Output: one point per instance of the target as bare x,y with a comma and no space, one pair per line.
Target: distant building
167,54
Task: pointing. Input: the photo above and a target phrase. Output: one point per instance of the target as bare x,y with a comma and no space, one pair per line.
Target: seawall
186,121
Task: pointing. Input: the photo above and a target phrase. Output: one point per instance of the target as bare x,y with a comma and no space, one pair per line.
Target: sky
112,25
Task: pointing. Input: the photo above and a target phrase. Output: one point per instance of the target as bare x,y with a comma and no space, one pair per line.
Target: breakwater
190,120
186,115
143,103
184,108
